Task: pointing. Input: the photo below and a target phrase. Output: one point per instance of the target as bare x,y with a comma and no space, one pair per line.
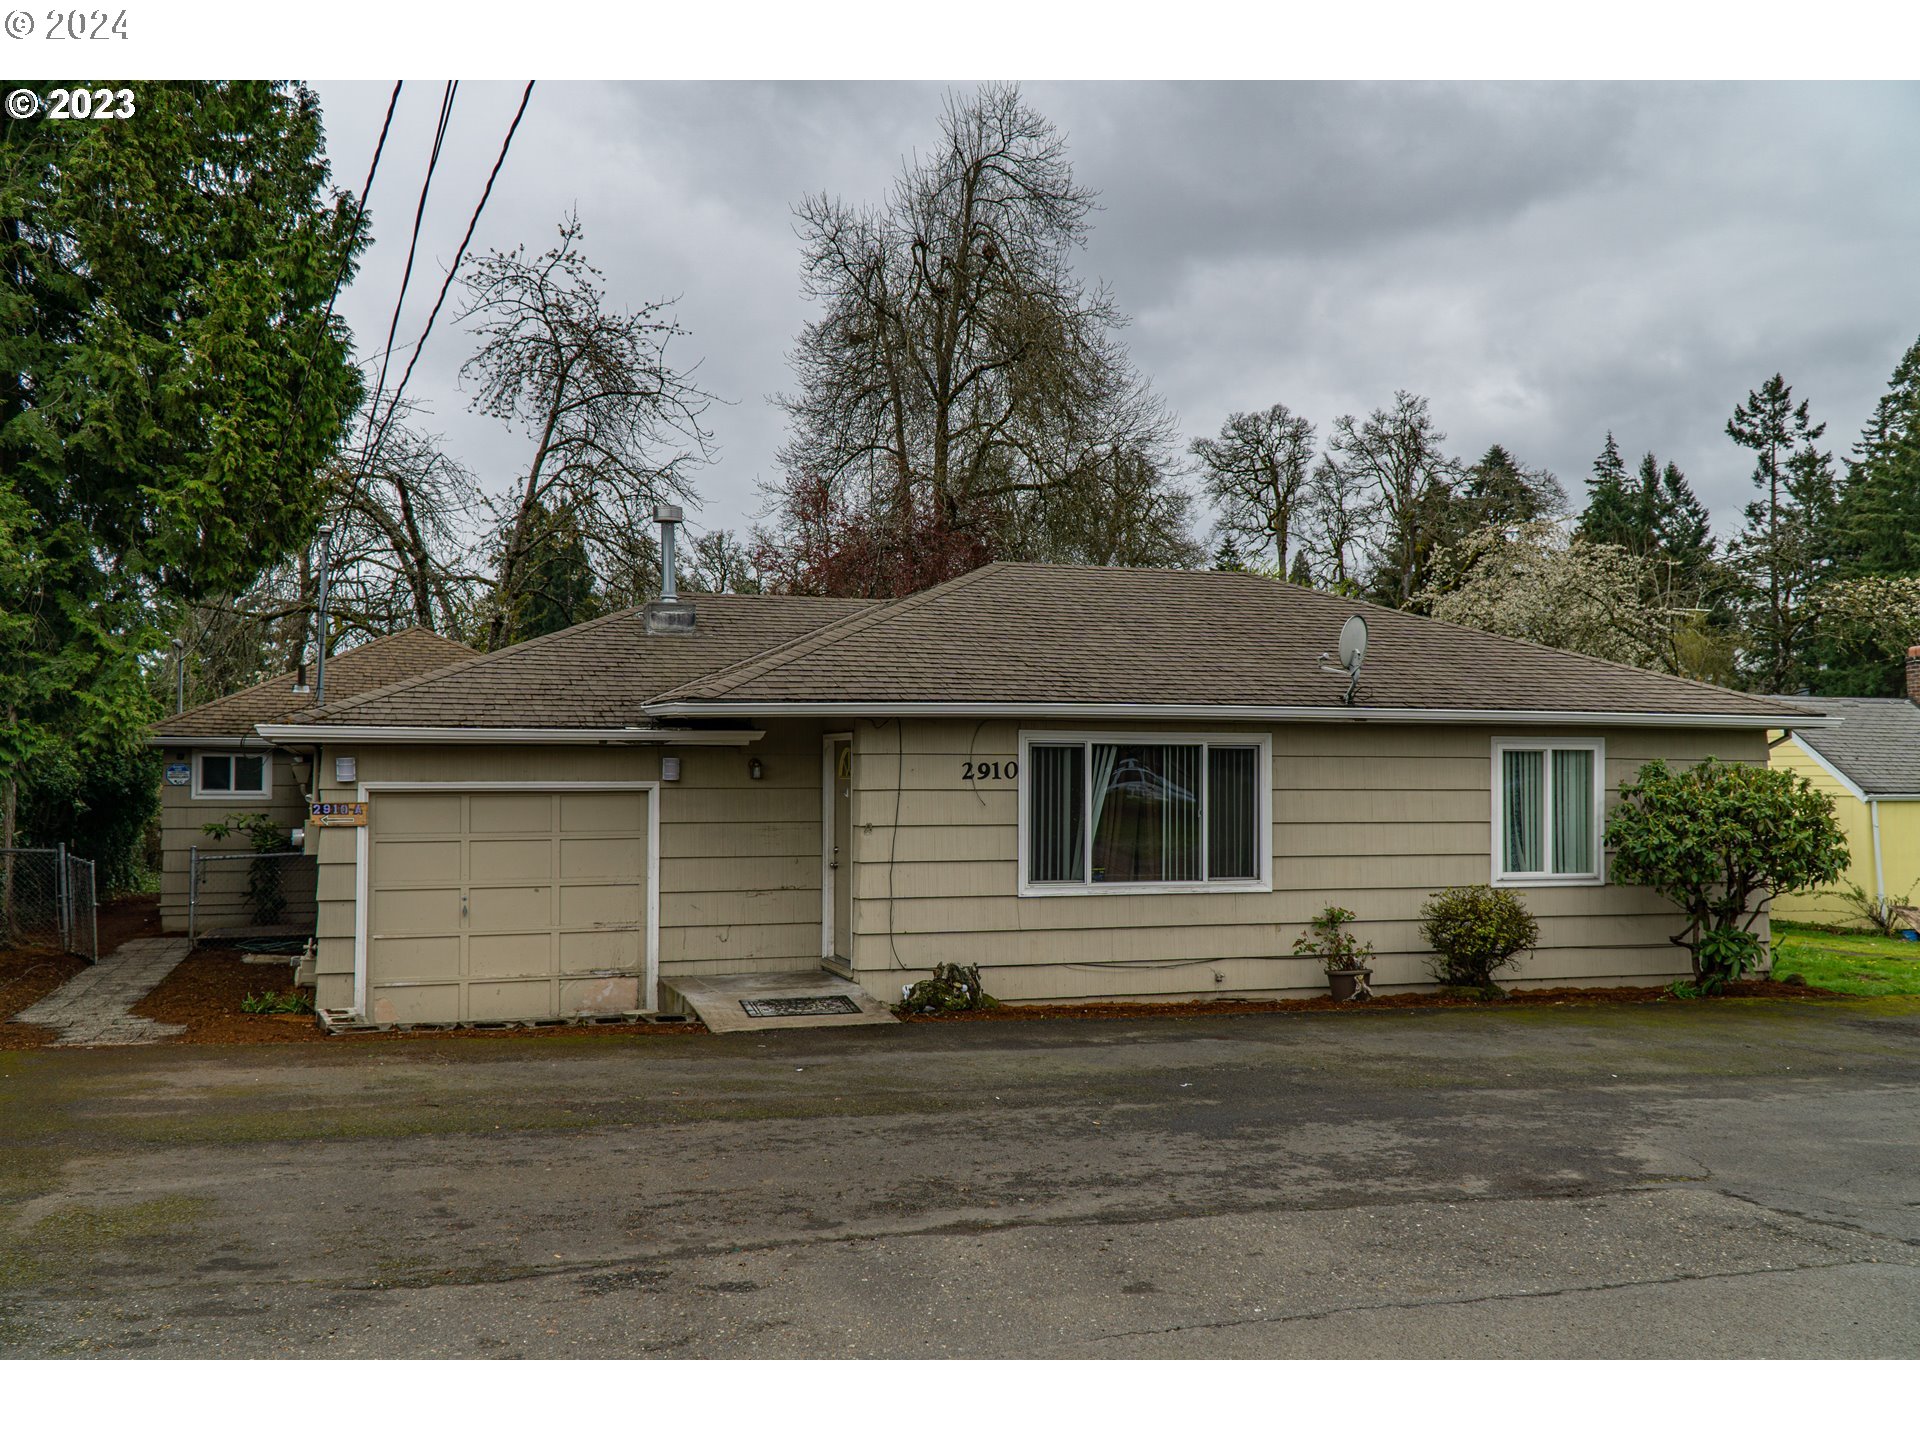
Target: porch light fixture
754,769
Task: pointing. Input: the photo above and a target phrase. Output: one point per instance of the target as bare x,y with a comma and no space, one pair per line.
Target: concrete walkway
95,1007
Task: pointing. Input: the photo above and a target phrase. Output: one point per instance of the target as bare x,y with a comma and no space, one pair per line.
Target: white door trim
827,803
650,1000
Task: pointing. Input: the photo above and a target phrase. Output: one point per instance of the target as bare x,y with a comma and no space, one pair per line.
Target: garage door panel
403,813
435,957
589,906
490,862
510,908
586,950
416,1004
499,957
416,912
602,811
622,857
506,812
510,1000
606,995
417,862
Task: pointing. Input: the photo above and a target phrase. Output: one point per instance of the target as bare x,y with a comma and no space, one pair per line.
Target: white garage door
506,904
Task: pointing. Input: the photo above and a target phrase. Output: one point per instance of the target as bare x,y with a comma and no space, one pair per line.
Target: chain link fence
47,902
267,898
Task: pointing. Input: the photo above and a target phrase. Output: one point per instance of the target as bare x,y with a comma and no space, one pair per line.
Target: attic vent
669,617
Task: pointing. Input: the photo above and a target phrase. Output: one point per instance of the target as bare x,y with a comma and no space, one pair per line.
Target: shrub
1474,931
1882,914
952,988
274,1002
1327,939
1713,839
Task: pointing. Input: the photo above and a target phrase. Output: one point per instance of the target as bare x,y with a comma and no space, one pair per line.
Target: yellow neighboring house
1870,766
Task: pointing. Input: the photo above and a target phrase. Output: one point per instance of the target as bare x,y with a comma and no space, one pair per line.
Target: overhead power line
446,284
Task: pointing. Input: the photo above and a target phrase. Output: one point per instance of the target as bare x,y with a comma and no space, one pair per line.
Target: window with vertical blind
1547,811
1143,812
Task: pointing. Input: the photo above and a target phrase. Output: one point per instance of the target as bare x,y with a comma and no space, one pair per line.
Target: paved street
1725,1180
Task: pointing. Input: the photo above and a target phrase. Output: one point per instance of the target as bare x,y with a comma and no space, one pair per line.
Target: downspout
1879,874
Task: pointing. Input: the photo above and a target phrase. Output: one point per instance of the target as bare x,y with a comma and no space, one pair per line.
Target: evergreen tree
1613,514
1302,571
1879,515
1782,553
1498,490
557,587
1228,556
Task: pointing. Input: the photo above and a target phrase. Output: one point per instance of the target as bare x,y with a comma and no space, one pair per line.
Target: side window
1547,811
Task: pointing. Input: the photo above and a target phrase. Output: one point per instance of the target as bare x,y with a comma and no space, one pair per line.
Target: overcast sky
1544,262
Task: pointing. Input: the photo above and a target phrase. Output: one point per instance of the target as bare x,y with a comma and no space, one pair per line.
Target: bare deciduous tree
1256,471
615,425
959,370
1395,459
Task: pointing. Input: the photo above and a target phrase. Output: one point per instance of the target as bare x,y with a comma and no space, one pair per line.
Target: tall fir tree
1877,525
1782,553
1613,514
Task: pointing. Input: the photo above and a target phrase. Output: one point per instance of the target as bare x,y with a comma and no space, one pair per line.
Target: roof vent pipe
669,517
669,615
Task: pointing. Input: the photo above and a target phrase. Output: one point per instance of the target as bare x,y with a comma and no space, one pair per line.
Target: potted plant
1340,954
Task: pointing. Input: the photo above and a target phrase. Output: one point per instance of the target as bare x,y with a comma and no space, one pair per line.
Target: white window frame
1261,742
1513,880
265,757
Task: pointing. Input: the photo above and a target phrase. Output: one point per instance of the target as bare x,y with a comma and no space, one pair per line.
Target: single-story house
216,763
1092,783
1868,764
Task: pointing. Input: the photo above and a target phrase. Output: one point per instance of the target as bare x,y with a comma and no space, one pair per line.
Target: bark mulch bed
205,990
1427,1000
29,976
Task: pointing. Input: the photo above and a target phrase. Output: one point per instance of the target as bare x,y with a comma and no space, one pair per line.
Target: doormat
802,1005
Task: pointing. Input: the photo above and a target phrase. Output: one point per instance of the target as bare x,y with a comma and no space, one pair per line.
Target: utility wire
459,255
406,275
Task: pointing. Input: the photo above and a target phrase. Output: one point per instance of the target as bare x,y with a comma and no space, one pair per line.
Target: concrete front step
721,1000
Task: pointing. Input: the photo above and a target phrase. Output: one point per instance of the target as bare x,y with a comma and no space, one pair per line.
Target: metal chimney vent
669,615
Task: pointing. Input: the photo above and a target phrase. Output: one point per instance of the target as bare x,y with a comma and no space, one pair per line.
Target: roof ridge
770,659
287,676
334,711
343,708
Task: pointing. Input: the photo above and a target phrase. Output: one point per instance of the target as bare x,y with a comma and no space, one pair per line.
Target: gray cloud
1546,262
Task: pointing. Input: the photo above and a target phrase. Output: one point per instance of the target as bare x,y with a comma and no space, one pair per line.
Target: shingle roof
594,675
1043,634
1876,745
379,662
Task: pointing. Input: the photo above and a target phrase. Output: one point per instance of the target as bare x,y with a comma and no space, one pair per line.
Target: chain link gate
268,898
48,901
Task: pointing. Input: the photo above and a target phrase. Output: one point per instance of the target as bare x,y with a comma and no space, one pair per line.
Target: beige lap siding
1371,817
181,820
739,858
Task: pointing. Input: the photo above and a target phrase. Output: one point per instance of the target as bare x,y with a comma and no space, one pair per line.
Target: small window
218,773
1142,812
1547,812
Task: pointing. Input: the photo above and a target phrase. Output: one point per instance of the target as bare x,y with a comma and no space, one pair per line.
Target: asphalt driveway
1681,1180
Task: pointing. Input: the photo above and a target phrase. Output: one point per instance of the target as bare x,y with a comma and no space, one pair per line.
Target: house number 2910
989,769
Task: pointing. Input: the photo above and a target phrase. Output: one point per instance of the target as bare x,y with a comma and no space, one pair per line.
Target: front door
840,861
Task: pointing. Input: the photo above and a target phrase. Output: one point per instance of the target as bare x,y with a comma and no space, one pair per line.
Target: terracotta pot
1342,984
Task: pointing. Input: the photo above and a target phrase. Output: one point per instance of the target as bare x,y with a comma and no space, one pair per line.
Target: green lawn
1853,962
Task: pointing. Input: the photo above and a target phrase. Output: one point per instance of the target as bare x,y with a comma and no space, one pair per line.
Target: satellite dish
1353,643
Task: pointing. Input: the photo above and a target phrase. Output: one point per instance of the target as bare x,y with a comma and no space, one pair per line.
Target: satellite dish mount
1353,653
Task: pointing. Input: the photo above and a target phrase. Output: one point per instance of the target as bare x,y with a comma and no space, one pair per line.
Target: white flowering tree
1534,582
